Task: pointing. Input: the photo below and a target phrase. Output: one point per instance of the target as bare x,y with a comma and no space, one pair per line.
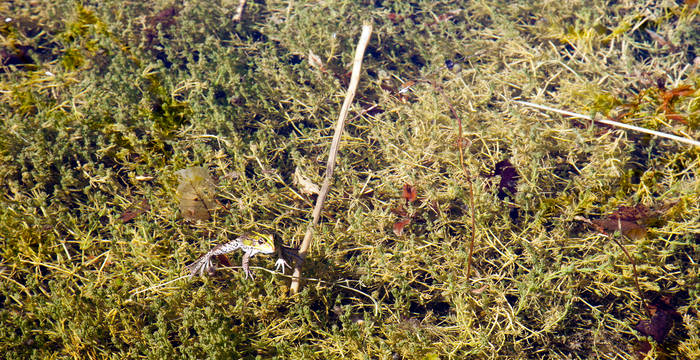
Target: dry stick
460,144
613,123
239,11
330,165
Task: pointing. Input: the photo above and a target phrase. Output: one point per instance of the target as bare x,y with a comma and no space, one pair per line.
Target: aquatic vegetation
101,106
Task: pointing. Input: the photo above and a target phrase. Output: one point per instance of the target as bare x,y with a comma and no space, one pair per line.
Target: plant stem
460,145
330,165
634,272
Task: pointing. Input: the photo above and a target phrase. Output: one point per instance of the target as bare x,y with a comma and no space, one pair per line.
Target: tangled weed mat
102,102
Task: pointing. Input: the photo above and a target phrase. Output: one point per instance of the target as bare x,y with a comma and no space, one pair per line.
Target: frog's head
261,243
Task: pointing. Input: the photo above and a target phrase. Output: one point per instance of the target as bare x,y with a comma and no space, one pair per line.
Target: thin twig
634,271
629,257
330,166
613,123
158,286
377,308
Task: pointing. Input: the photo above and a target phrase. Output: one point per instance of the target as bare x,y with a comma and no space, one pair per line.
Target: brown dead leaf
629,228
444,17
196,192
633,220
663,316
508,185
626,220
315,61
305,185
132,213
223,259
658,38
633,213
405,87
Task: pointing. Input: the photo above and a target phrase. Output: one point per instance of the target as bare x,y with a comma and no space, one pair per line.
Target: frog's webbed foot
201,266
281,264
285,256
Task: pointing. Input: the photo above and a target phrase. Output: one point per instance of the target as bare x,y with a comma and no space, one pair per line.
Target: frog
252,243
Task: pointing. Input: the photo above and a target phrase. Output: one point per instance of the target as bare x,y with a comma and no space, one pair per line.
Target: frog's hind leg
205,265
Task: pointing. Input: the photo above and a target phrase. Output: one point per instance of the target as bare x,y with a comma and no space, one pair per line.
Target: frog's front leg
284,254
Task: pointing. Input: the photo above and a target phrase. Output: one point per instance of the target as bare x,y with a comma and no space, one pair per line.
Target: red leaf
409,193
395,17
683,90
400,225
668,97
677,117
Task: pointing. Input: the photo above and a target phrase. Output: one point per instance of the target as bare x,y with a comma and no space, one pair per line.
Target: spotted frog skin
251,244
